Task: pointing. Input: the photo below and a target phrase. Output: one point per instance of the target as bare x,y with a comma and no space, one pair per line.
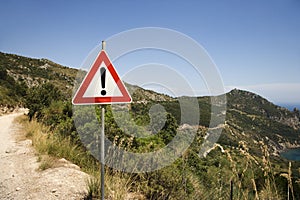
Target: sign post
101,85
102,158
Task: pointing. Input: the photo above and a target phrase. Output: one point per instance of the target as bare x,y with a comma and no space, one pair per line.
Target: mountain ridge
18,73
247,153
44,64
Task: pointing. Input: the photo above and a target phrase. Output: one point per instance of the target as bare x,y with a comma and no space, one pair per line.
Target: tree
169,130
41,97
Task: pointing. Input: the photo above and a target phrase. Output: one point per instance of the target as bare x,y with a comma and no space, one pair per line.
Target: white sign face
96,86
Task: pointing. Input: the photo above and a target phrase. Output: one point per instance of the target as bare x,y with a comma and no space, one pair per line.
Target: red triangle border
80,100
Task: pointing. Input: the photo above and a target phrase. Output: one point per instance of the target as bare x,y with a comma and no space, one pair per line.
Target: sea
290,106
291,154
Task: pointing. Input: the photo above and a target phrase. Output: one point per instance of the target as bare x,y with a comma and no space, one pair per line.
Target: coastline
292,154
290,107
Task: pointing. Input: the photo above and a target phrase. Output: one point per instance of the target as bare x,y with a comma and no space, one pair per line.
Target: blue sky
255,44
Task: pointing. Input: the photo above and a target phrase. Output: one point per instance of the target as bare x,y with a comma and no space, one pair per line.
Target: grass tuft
47,162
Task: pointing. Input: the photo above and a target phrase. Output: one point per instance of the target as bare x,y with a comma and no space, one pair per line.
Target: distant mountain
249,117
256,105
252,119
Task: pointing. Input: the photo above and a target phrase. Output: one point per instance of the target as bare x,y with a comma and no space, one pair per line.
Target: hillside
254,104
18,73
248,114
252,118
254,133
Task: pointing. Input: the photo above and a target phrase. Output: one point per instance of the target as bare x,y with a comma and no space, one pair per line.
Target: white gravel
19,174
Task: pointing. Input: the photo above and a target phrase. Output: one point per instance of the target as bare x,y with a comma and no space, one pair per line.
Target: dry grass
50,147
47,162
55,146
118,185
246,170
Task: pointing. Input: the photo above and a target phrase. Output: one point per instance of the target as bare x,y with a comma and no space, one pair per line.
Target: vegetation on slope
244,164
253,173
253,104
11,91
18,73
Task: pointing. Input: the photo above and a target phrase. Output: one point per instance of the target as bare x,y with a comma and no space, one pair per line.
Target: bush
41,97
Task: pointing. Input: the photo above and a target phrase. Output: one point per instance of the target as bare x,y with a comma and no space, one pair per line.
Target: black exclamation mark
102,73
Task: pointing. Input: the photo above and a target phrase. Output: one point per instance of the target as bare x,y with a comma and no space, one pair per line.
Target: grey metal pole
102,159
103,45
102,153
231,190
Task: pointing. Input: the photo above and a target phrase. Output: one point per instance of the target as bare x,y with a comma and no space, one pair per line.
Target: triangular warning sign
102,84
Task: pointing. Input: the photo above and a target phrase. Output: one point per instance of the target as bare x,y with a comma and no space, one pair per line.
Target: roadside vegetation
243,165
227,172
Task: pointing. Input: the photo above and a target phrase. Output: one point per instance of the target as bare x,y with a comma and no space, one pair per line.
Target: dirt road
19,175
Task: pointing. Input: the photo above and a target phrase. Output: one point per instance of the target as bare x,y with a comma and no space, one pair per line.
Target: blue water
292,154
290,106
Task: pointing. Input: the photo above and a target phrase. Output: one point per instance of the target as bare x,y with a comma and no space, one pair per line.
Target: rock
73,166
53,190
62,160
18,189
10,150
65,163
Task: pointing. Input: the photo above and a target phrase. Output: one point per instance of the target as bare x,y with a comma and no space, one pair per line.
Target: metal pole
102,159
103,45
102,153
231,190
